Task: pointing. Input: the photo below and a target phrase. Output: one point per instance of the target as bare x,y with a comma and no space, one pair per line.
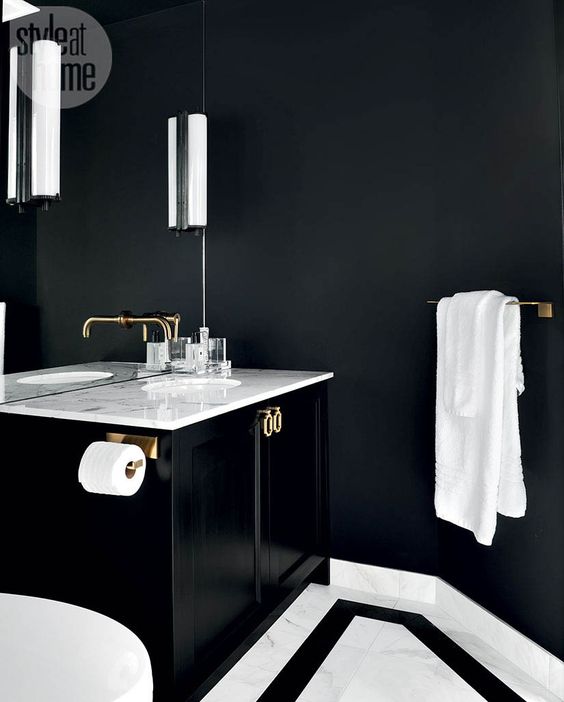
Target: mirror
106,245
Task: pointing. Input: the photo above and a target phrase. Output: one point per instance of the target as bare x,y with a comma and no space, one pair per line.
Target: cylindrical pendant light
19,130
187,171
34,126
46,122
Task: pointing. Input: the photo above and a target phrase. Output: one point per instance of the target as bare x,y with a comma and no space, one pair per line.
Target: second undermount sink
179,385
75,377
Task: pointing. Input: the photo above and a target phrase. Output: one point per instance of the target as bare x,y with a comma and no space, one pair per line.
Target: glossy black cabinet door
297,490
219,537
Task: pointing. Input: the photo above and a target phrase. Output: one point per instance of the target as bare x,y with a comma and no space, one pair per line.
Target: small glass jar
195,357
178,359
217,350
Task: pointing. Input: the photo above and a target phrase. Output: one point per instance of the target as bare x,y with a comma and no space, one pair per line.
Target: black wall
364,157
498,225
321,216
17,252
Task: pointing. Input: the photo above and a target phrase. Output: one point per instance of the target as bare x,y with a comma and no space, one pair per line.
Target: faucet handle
125,319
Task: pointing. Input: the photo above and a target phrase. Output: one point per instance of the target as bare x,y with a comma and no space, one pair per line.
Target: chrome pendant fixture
187,171
34,126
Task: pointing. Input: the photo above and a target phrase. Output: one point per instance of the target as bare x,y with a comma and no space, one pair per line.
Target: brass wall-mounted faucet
126,320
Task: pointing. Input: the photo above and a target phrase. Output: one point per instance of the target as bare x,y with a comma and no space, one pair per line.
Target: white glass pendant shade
187,171
46,121
197,170
13,126
172,186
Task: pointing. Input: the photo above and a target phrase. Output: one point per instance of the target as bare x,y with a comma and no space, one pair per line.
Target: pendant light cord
204,111
204,56
204,277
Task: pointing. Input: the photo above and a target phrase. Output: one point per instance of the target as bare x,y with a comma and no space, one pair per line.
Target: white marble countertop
12,389
138,402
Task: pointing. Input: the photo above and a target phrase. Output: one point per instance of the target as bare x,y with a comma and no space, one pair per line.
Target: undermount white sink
179,385
64,378
56,652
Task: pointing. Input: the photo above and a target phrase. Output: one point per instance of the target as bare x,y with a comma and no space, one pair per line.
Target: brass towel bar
544,309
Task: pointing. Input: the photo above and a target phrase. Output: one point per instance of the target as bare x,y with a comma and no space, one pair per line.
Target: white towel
2,334
462,354
478,448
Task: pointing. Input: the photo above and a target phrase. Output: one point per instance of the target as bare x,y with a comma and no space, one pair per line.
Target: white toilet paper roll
103,468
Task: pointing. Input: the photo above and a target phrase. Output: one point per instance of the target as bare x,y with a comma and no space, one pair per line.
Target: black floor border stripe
294,677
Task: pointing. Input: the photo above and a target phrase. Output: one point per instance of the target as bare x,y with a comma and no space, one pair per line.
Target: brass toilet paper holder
131,467
148,444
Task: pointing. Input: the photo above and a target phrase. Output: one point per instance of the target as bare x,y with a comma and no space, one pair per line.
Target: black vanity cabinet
227,522
251,520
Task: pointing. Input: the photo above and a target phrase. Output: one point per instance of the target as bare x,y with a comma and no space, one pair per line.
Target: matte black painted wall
17,252
498,226
321,215
364,157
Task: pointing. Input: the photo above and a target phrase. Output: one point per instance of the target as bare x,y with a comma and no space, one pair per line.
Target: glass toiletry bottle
204,339
156,352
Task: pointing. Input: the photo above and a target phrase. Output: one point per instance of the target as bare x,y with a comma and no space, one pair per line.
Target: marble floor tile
373,661
305,613
503,638
400,668
254,672
515,678
250,677
424,608
361,633
335,673
556,677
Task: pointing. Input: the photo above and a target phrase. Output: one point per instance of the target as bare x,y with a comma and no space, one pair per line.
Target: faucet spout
126,320
91,321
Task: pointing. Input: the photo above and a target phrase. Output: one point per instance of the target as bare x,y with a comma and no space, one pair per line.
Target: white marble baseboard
542,666
384,581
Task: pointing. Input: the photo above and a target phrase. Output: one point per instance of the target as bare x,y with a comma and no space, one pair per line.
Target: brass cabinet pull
267,422
277,419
